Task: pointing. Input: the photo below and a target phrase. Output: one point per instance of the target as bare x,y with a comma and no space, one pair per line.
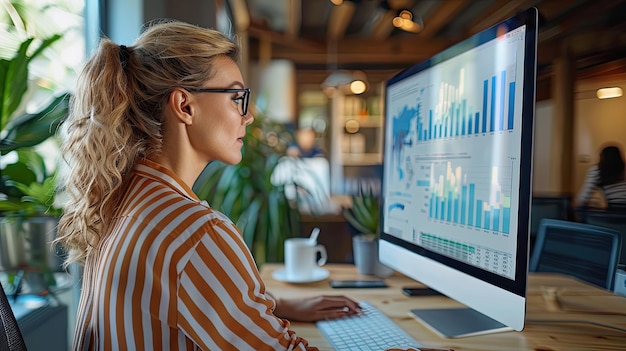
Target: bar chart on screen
470,195
456,113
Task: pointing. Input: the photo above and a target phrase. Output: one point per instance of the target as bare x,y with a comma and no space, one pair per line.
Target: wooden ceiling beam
294,17
583,44
440,17
393,51
567,23
382,27
339,19
241,14
258,31
499,11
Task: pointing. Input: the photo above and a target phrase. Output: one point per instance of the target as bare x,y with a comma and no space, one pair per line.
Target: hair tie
124,55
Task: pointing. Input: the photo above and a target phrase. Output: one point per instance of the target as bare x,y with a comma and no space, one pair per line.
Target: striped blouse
614,194
174,274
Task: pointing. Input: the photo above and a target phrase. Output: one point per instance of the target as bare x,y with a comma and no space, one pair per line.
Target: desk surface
578,301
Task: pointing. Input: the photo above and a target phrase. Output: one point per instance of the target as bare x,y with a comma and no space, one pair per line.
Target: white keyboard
370,330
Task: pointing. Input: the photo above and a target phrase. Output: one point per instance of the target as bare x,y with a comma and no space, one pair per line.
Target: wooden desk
576,299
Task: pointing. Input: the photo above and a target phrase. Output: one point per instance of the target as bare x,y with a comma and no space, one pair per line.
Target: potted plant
28,216
245,193
364,217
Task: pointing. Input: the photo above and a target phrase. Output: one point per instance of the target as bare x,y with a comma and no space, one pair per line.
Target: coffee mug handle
323,257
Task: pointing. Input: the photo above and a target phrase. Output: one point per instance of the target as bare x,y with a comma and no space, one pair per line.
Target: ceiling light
348,81
405,22
358,87
337,2
608,93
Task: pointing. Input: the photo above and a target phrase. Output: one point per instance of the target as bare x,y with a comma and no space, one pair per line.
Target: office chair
548,206
10,336
585,251
610,218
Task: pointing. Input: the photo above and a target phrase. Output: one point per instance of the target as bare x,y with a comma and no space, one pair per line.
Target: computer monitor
456,189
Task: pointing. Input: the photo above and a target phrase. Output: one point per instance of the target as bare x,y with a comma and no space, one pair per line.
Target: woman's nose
247,119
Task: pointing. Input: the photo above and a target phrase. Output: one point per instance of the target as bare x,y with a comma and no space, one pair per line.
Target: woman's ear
180,102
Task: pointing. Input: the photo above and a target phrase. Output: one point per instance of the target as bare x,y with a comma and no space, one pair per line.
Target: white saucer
318,274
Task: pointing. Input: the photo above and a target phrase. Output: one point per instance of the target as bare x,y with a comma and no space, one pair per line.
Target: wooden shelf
362,159
366,121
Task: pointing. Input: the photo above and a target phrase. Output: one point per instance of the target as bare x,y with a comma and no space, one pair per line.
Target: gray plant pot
365,251
11,245
26,243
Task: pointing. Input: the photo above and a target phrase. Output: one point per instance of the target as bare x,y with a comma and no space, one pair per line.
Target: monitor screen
457,175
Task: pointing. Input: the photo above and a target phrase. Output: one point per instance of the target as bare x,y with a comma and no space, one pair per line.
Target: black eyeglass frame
246,95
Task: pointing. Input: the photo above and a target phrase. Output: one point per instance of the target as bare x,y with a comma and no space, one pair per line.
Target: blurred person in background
605,179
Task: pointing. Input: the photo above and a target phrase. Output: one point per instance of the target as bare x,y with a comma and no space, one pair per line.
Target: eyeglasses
242,100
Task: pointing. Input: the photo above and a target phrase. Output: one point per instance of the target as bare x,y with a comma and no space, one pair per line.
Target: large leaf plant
245,193
26,187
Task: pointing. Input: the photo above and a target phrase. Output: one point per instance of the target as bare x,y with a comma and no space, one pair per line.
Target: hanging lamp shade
338,78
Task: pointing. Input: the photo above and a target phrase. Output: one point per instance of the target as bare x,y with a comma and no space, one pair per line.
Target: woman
607,177
162,270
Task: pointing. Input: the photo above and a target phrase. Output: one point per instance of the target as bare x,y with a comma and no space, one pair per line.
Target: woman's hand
312,309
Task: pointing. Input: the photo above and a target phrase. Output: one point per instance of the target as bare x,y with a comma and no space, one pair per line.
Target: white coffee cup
301,258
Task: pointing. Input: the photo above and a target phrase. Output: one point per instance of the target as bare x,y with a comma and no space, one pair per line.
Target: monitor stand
458,322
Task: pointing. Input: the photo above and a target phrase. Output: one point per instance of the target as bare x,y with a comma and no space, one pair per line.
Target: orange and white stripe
174,274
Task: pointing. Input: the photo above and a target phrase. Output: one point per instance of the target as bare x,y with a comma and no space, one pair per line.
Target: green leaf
13,82
248,221
14,77
32,129
364,215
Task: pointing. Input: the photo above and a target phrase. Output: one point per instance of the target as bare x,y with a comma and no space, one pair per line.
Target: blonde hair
116,119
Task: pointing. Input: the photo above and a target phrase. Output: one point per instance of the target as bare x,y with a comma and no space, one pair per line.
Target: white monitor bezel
464,283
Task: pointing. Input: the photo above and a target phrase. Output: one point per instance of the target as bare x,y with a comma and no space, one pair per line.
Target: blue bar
419,127
457,120
443,206
431,208
453,119
425,137
496,219
477,122
449,201
485,94
462,122
430,124
487,220
437,215
506,219
423,182
456,210
511,103
470,213
479,209
463,202
492,116
501,99
463,114
469,124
